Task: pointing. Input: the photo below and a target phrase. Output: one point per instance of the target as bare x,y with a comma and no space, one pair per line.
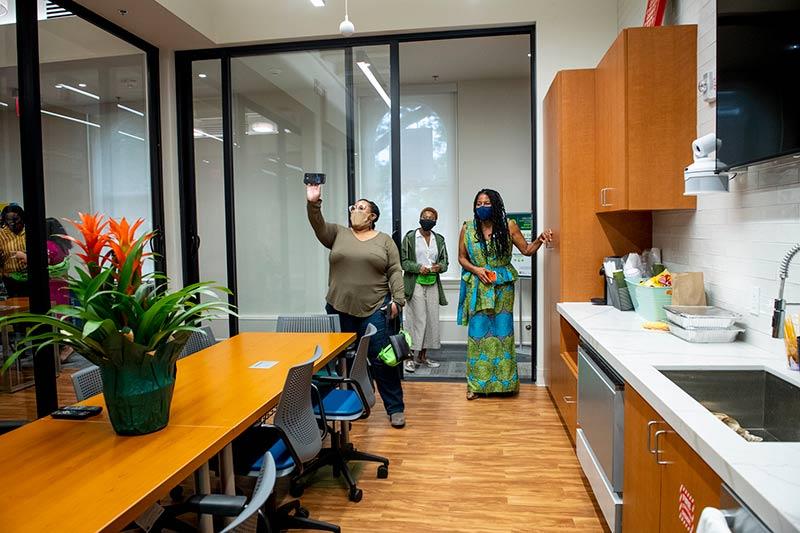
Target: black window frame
28,63
187,185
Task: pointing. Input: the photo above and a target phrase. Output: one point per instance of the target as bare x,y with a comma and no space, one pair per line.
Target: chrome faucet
780,304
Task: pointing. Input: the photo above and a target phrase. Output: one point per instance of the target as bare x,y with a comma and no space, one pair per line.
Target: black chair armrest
217,504
323,419
279,433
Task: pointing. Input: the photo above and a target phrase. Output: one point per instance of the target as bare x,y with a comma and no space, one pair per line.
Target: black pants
386,377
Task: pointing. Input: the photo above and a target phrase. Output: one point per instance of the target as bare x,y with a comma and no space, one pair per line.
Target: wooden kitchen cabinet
646,117
641,488
659,465
685,470
564,390
581,238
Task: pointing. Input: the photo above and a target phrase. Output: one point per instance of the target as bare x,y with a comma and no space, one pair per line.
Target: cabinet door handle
659,451
605,198
602,197
650,435
570,400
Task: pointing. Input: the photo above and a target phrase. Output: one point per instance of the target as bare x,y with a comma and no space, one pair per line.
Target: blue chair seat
279,452
340,403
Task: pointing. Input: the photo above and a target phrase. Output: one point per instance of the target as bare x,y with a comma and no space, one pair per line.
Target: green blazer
408,260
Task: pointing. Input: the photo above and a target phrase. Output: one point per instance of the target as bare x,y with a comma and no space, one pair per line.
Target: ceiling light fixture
76,90
263,127
72,119
82,85
129,110
132,136
346,28
318,3
202,75
200,133
3,104
364,66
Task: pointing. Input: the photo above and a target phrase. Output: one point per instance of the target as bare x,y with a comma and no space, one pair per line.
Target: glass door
289,117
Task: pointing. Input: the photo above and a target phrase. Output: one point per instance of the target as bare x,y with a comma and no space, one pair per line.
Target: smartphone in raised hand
314,178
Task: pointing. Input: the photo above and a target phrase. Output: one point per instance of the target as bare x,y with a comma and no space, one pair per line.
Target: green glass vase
138,387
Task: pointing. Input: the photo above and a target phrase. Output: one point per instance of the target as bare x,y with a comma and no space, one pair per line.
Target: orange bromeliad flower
121,239
94,239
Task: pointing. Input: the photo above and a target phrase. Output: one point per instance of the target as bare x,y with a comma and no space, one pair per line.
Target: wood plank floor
490,465
499,465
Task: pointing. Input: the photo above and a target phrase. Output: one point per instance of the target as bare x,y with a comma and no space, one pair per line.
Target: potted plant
123,321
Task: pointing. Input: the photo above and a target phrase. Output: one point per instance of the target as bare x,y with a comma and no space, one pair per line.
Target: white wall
735,239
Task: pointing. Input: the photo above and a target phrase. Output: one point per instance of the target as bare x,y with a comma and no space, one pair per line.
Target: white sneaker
430,364
410,366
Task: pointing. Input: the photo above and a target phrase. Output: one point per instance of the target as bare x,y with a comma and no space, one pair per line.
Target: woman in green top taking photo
423,256
486,303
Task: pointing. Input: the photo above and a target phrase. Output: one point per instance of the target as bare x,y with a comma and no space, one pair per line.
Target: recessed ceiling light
287,130
82,85
76,90
206,161
130,110
201,75
71,119
529,54
123,12
318,3
263,127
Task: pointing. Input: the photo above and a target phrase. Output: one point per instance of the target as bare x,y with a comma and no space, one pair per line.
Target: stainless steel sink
763,404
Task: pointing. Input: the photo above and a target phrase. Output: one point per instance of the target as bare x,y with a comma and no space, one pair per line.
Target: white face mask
359,219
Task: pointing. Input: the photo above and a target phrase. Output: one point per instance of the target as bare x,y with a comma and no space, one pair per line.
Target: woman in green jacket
423,256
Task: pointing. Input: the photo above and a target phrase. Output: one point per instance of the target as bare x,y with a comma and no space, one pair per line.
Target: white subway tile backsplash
774,213
777,176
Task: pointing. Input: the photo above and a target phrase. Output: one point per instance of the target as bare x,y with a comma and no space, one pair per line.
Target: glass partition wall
378,115
79,132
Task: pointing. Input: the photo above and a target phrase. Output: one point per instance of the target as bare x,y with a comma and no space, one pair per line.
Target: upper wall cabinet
646,116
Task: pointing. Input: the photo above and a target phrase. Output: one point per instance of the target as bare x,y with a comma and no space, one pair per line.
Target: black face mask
426,224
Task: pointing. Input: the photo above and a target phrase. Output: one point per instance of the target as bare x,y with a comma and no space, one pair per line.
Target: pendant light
346,28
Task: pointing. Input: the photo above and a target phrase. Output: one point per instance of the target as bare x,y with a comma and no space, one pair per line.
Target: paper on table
263,364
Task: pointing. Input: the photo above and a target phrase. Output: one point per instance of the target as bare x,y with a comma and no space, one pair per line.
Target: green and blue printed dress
488,313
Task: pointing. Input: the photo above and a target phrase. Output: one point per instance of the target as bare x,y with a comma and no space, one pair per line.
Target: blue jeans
386,377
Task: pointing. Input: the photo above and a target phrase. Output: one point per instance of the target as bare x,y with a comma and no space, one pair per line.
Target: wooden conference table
78,475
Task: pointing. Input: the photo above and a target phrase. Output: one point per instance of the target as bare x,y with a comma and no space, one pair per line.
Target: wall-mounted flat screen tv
758,80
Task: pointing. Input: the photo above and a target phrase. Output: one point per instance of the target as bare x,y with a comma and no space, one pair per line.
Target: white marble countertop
765,475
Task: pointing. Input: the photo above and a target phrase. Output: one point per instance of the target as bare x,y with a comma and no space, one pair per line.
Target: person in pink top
57,251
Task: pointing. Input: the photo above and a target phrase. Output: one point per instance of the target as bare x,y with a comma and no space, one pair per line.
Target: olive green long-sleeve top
362,273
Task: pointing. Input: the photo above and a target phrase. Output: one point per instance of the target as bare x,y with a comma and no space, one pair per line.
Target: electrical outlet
755,301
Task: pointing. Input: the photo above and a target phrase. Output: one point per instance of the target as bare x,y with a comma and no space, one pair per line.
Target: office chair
346,405
249,514
87,382
294,439
198,341
309,324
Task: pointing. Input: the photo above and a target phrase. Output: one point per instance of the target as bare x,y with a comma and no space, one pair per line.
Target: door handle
602,197
608,204
659,451
570,399
650,435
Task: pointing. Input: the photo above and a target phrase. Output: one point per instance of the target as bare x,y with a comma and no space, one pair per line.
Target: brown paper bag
688,289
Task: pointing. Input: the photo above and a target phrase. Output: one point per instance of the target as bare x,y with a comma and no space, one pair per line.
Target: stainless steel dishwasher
599,439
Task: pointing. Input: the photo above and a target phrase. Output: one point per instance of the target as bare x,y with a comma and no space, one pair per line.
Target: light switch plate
755,301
